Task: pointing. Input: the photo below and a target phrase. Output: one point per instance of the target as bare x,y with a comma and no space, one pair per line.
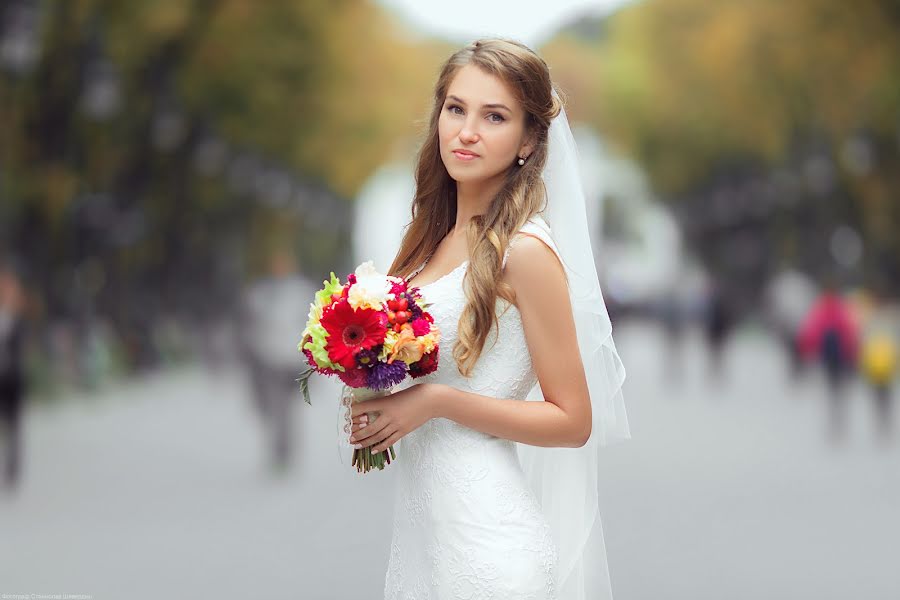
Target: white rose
371,289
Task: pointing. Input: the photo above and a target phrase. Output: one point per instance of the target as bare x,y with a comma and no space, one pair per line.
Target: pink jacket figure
830,332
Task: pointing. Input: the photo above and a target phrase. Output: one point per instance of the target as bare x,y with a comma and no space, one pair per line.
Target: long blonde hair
521,196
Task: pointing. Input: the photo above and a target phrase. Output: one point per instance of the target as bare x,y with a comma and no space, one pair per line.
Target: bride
497,495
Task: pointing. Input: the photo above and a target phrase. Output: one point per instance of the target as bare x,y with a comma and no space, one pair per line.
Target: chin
461,174
465,177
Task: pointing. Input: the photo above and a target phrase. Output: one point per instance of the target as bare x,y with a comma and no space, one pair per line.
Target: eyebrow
494,105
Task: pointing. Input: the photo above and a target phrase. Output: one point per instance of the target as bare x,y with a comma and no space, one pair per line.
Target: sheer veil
565,480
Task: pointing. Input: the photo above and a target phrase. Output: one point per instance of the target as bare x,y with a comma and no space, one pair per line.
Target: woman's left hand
397,415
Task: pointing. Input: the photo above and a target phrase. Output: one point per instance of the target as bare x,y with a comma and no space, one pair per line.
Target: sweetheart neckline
456,268
444,276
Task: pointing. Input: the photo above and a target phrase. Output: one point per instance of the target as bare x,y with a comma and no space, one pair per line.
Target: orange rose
407,348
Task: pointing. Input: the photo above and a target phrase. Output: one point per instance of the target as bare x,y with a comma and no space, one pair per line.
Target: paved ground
732,491
729,490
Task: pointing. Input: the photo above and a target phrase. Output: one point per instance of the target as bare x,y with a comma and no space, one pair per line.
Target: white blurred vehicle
637,243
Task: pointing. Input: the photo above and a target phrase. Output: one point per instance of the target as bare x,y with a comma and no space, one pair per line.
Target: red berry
392,316
402,316
393,305
402,304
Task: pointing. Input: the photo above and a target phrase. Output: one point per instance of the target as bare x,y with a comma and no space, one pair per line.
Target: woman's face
481,127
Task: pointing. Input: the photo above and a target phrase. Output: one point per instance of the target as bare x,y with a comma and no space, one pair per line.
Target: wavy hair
521,196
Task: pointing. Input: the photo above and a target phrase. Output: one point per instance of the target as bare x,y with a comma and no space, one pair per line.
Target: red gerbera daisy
350,331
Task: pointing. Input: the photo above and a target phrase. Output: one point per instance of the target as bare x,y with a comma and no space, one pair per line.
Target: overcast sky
529,21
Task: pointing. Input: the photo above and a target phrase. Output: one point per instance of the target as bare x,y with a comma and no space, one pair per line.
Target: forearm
533,423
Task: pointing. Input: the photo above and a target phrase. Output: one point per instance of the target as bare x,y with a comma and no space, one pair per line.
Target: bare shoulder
533,265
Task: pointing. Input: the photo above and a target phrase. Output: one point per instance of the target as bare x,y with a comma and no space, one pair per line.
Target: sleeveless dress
467,526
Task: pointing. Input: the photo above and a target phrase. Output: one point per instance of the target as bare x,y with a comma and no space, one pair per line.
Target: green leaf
303,380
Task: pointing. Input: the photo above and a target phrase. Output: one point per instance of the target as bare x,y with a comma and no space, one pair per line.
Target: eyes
452,109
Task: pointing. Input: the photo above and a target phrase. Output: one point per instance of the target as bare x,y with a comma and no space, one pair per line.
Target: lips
463,155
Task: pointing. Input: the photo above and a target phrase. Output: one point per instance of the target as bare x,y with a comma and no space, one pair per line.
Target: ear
527,146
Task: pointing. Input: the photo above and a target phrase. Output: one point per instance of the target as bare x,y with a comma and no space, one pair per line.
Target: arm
564,418
533,423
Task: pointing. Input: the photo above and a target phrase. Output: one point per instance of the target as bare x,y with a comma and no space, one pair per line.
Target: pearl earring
521,161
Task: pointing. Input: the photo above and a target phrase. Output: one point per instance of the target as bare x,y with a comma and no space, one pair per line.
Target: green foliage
694,89
683,84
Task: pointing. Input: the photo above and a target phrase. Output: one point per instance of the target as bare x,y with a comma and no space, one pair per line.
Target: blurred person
672,317
12,379
674,313
878,363
829,334
273,316
789,296
719,319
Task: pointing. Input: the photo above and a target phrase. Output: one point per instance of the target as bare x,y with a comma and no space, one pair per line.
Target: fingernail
357,446
352,438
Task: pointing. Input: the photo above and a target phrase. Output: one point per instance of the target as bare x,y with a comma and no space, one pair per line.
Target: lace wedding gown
466,524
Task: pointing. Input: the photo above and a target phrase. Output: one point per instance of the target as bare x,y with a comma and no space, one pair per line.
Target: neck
473,198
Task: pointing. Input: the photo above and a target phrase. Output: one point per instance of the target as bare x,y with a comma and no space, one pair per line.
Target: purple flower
414,311
383,375
366,358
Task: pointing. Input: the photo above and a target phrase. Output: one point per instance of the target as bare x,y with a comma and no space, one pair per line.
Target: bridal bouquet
371,332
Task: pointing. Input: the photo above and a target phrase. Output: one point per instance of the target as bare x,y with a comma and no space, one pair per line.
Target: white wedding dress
467,526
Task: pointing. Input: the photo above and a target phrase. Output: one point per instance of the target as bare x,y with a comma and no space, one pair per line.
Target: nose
469,132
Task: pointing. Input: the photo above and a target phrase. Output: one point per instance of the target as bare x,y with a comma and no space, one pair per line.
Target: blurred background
178,176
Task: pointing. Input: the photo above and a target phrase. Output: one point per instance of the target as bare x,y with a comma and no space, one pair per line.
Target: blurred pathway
730,491
156,489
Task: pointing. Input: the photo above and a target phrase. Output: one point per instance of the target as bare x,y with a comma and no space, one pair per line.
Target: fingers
359,422
358,409
386,443
368,434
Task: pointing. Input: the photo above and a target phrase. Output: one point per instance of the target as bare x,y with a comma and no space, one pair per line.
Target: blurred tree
780,111
152,149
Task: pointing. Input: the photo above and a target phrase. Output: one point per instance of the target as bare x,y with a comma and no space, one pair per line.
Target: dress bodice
504,368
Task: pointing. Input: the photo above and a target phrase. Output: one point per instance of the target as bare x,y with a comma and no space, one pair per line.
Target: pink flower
421,327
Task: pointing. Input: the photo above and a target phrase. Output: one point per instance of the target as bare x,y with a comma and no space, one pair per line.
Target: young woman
497,496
